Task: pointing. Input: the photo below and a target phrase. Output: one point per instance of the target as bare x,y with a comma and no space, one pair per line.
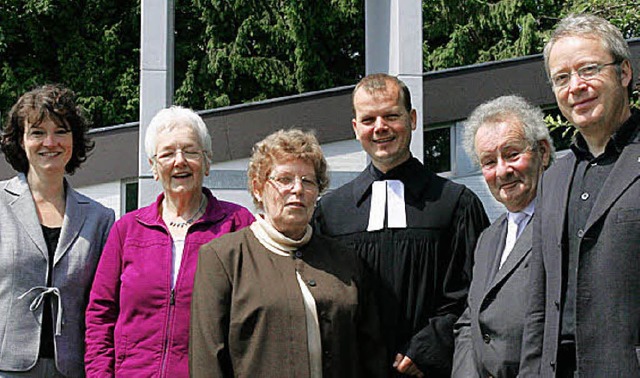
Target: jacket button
312,283
486,338
298,254
580,233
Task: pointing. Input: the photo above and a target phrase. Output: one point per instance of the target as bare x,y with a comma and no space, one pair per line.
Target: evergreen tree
89,46
236,51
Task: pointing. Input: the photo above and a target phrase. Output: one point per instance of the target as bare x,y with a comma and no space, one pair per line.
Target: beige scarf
274,240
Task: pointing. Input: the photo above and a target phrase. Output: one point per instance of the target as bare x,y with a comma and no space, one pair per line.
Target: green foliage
90,46
236,51
624,14
254,50
462,32
465,32
560,129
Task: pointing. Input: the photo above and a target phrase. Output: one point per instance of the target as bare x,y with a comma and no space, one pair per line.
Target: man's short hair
378,82
506,108
590,26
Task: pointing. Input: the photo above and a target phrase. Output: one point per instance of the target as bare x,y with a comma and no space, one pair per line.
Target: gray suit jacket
489,332
608,287
23,266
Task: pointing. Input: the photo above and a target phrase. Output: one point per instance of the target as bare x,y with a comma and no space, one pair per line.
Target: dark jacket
608,288
421,273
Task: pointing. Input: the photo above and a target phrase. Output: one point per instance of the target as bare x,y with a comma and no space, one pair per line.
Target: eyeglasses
586,72
169,156
286,182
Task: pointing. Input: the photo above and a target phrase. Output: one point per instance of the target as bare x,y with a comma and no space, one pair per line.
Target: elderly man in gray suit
508,138
584,313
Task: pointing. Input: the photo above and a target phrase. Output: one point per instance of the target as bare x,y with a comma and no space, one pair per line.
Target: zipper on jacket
165,349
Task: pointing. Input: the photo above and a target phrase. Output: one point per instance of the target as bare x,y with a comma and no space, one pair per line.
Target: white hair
167,119
496,110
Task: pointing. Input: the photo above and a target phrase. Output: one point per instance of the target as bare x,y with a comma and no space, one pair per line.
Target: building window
130,196
437,149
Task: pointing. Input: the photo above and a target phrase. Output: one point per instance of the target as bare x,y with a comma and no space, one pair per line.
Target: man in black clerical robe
415,230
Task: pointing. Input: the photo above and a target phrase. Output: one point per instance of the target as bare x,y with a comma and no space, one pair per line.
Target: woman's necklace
190,220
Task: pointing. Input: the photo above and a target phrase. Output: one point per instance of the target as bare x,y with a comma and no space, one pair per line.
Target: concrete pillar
393,45
156,81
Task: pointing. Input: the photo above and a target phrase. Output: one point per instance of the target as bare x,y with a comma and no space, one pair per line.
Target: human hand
404,365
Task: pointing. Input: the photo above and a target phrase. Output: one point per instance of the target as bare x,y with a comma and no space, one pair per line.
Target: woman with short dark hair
50,237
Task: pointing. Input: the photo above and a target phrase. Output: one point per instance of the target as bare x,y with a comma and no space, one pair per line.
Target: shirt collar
414,184
618,141
528,211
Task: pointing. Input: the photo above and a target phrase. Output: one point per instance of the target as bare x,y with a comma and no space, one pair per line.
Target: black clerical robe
423,271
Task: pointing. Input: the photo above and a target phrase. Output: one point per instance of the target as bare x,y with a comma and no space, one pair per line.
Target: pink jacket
137,326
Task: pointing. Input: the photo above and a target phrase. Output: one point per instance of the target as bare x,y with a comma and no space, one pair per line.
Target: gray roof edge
344,88
207,112
272,101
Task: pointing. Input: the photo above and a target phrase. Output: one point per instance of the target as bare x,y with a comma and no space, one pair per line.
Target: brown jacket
248,316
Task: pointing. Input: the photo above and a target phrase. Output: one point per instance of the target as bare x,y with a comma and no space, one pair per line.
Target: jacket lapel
624,173
556,191
496,241
24,210
74,217
519,251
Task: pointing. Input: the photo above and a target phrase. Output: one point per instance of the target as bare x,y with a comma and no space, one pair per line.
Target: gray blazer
489,332
608,297
23,277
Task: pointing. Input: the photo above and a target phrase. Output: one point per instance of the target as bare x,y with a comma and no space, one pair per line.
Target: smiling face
511,168
180,165
48,147
288,210
596,106
383,126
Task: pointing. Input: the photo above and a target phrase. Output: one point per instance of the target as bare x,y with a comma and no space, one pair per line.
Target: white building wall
345,156
108,194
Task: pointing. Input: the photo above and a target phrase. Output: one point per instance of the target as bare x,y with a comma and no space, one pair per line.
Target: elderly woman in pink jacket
139,306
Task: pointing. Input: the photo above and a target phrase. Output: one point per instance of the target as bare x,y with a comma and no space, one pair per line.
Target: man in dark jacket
584,312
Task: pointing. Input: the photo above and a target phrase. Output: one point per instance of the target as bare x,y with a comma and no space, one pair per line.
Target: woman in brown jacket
274,299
